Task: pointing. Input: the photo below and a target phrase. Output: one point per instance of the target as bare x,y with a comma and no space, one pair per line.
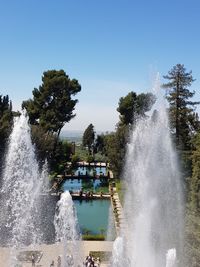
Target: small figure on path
33,260
52,264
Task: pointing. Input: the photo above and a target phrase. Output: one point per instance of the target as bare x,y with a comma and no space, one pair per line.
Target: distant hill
72,135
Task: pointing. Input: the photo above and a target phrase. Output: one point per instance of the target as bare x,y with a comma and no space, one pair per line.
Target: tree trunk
57,138
177,113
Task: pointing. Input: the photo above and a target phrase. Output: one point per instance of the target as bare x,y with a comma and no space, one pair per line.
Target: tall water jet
45,210
153,201
171,258
119,255
20,189
45,177
66,227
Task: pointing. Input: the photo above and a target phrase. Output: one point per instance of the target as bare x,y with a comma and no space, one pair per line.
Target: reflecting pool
93,215
86,184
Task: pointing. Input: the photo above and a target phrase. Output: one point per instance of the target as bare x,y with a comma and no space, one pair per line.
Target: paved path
51,252
119,218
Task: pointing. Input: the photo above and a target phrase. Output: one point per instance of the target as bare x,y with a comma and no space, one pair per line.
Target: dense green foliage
131,107
192,238
44,142
52,104
45,149
185,128
195,179
99,144
6,123
6,118
115,148
193,209
89,137
184,121
51,107
82,153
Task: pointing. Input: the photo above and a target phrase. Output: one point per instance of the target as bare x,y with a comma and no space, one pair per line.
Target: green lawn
120,189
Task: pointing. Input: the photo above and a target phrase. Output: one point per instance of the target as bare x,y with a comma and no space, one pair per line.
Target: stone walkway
51,252
119,218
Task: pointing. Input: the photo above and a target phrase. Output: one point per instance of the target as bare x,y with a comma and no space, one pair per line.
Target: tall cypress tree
184,120
88,137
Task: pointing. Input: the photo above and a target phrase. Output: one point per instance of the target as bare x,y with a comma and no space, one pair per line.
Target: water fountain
110,235
24,200
119,256
153,201
67,232
171,258
45,177
20,189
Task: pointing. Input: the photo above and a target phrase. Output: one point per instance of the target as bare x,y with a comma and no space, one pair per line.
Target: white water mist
66,228
45,177
153,201
20,189
171,258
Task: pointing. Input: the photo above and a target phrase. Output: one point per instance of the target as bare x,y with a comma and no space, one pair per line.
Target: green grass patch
26,256
120,189
93,237
103,255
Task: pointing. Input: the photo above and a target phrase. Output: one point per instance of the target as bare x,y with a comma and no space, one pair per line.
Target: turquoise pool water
93,215
86,184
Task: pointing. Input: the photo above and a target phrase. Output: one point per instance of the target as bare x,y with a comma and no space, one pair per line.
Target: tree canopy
6,117
115,148
183,119
99,143
133,106
52,104
88,137
6,123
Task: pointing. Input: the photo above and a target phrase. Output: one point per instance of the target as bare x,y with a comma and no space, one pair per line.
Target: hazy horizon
77,133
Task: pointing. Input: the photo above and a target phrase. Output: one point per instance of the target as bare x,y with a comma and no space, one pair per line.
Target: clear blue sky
110,46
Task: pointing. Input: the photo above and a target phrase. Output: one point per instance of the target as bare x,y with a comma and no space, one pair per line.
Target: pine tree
53,104
184,121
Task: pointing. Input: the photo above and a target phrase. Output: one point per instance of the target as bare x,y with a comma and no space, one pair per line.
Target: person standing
33,260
